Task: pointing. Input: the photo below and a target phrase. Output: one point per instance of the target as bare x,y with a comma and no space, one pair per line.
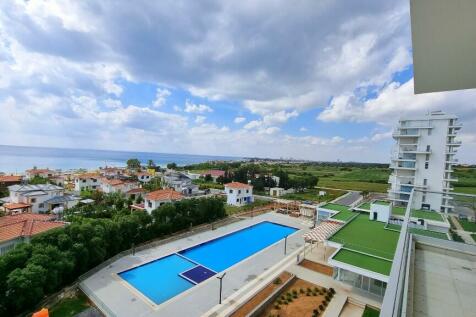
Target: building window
429,131
425,181
33,200
231,191
149,203
41,205
247,191
426,165
239,191
237,200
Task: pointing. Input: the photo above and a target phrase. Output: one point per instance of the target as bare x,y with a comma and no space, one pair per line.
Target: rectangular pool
169,276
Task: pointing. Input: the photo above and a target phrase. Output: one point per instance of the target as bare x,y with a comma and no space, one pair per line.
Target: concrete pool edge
117,300
156,306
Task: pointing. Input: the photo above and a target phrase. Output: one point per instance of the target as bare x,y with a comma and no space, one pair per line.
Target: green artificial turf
468,225
429,215
365,206
364,235
363,261
344,215
370,312
422,232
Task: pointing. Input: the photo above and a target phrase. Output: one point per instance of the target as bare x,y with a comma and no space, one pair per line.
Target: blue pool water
160,280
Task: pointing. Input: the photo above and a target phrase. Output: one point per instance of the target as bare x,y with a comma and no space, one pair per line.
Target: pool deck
118,298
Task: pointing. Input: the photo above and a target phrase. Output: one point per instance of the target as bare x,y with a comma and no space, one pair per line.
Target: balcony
404,165
406,133
420,124
453,143
451,179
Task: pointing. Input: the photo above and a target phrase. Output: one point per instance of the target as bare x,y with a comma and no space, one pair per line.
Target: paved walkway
348,199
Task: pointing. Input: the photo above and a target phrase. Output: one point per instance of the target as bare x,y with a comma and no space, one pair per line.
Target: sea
17,159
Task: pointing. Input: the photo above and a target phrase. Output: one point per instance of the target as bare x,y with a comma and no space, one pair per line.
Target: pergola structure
289,207
12,208
322,232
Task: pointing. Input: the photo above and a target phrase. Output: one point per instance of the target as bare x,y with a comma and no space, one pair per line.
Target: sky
319,80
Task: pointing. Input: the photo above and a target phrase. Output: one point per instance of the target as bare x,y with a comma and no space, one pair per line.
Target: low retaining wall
258,310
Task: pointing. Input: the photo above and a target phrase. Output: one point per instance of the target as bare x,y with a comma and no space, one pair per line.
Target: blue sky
320,80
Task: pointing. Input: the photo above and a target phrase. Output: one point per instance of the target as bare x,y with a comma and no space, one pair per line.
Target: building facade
86,181
423,157
238,194
36,196
159,197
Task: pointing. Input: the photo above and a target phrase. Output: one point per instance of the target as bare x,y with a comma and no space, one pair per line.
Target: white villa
144,177
238,194
86,181
159,197
180,183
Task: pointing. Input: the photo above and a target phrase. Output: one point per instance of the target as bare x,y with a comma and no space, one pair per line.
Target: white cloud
239,120
196,108
161,97
303,129
200,119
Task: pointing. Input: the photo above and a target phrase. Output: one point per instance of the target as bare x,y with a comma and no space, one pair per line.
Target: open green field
364,261
69,307
313,195
367,236
467,225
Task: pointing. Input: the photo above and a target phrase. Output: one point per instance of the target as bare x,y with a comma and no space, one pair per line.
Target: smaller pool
169,276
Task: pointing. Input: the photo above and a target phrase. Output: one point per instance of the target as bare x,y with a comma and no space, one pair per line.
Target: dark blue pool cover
198,274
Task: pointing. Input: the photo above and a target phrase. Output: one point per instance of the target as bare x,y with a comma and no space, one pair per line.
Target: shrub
314,294
277,281
324,302
301,290
294,292
279,302
316,289
277,307
315,311
295,296
327,297
308,289
321,307
290,300
308,294
333,291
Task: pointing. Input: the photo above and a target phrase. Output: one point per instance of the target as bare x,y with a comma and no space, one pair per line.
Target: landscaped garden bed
300,298
317,267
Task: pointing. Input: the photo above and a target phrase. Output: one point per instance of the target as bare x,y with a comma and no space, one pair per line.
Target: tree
208,178
150,164
36,180
133,164
172,165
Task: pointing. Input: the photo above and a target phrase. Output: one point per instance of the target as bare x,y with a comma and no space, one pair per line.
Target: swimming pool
171,275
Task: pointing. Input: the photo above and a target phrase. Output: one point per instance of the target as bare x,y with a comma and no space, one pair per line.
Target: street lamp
285,243
221,282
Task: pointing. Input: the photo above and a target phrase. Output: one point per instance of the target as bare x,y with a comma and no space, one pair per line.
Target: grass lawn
465,190
364,235
335,207
69,306
430,215
468,225
367,262
473,235
230,210
422,232
370,312
365,206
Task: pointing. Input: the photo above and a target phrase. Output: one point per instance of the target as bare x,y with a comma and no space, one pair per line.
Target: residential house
143,177
37,198
180,183
238,194
41,172
115,185
9,180
86,181
20,228
214,174
112,171
159,197
135,193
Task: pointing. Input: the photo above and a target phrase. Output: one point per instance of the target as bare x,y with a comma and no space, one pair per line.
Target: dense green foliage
97,232
133,163
36,180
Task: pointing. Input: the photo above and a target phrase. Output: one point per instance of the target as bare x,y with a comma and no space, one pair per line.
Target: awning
322,231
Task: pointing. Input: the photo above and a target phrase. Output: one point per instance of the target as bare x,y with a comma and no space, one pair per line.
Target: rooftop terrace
344,213
362,249
365,206
422,232
423,214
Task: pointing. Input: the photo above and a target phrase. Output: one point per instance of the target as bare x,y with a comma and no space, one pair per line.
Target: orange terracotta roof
10,179
214,173
164,194
112,182
136,190
39,171
16,206
238,185
26,225
143,174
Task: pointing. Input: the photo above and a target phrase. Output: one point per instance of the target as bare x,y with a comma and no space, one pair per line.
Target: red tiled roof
164,194
136,191
88,175
214,173
237,185
16,206
10,179
112,182
39,171
26,225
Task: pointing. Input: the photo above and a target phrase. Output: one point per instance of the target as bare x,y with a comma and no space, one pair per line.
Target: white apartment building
238,194
423,157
